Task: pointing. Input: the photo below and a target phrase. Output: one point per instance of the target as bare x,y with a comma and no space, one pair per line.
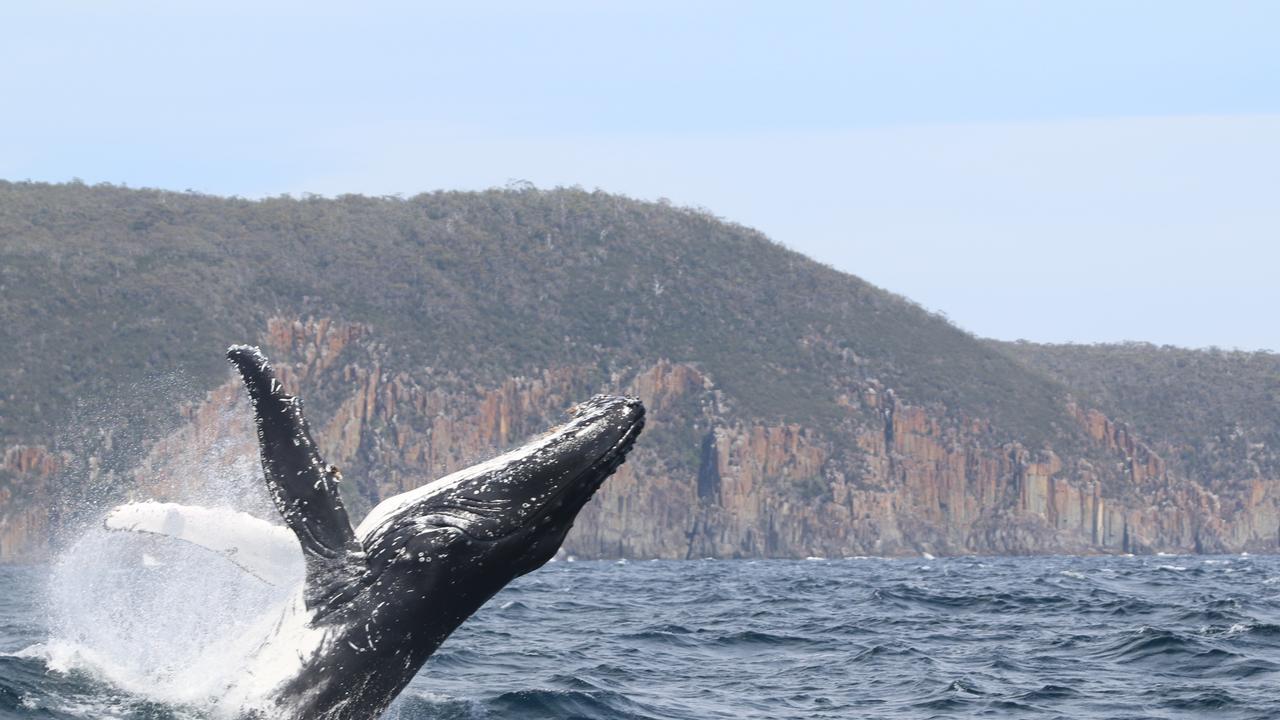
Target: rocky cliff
706,481
794,410
25,475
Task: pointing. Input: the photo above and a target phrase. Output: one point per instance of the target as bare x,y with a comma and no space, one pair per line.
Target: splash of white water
161,618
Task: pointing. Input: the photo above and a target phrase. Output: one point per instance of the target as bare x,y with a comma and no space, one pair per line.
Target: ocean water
1106,637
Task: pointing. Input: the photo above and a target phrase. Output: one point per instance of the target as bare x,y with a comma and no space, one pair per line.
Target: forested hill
795,410
106,284
1216,411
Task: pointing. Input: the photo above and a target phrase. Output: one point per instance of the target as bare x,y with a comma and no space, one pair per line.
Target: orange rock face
24,505
704,480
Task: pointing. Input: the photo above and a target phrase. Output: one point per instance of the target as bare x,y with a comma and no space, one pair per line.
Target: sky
1058,172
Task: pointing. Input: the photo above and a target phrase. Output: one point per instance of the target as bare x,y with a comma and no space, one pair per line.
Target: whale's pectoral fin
266,551
303,486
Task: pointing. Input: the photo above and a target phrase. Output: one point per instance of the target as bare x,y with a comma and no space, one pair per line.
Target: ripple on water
986,637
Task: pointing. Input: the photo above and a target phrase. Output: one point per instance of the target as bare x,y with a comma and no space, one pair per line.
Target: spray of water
161,618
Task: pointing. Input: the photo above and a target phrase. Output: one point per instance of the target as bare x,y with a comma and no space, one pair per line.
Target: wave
990,637
30,688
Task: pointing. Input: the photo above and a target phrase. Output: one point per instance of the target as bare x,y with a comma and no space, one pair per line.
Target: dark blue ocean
1106,637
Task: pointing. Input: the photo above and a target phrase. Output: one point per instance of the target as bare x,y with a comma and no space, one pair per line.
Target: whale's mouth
537,489
567,499
589,481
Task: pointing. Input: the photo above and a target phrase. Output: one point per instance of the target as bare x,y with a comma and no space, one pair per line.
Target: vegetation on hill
770,440
103,285
1217,411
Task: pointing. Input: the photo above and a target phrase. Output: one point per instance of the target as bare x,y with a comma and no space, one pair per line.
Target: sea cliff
707,480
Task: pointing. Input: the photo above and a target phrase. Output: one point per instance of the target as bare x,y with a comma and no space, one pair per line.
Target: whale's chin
537,487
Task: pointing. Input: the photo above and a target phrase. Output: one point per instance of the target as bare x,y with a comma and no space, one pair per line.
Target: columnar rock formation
706,480
23,525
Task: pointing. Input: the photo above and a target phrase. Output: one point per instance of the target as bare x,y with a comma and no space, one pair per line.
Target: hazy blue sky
1051,171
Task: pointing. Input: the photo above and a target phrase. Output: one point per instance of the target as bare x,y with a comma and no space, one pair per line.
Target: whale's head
478,528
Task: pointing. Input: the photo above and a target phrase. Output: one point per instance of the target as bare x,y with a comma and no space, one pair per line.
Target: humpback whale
377,600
